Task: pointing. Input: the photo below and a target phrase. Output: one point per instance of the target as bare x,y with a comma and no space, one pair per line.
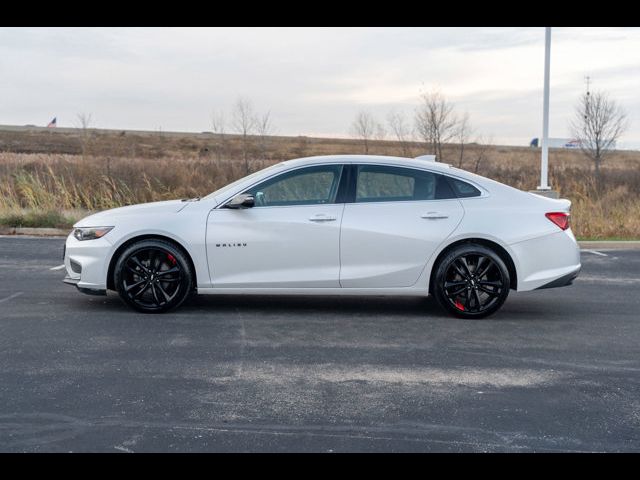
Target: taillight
561,219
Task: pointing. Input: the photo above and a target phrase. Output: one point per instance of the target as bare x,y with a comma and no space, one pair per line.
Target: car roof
383,159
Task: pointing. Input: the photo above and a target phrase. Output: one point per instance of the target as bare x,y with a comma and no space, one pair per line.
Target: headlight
91,233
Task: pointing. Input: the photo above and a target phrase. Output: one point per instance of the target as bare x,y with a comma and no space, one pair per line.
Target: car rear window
463,189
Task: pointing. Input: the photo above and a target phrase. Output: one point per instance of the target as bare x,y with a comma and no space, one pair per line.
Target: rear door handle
321,217
434,216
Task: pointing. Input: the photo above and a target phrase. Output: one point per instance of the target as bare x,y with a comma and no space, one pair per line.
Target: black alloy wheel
153,276
471,281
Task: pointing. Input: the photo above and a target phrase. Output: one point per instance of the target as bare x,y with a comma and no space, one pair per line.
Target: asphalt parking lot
554,370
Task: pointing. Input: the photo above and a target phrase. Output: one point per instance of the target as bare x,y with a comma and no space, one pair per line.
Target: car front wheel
153,276
471,281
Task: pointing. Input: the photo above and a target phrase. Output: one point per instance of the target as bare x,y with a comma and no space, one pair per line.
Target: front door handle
321,217
434,216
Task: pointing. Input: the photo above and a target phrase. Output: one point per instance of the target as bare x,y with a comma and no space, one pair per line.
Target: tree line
598,123
434,124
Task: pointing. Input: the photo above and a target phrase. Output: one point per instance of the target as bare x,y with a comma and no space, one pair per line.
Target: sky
313,81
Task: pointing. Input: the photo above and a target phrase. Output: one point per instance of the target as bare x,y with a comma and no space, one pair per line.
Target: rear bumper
548,261
563,281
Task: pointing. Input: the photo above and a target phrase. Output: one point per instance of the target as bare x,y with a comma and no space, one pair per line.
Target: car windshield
230,186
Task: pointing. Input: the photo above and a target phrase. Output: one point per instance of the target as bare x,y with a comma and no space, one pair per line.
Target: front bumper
89,291
86,264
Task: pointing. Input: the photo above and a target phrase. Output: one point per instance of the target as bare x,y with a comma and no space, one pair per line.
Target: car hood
104,218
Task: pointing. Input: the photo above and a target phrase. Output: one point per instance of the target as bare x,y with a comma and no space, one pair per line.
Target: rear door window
382,183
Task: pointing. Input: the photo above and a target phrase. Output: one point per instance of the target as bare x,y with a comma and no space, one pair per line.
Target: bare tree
84,123
265,128
364,127
218,124
463,133
435,122
84,120
481,152
400,130
598,124
218,127
244,123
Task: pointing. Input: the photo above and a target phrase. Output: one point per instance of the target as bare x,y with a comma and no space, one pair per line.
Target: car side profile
332,225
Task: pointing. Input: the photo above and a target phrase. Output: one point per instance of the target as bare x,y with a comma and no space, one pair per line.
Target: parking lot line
595,252
59,267
17,294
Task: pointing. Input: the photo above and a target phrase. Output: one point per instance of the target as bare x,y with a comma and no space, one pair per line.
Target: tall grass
70,186
44,182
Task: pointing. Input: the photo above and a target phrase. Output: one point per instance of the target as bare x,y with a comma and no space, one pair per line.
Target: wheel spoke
458,291
487,291
133,270
166,296
142,290
466,265
477,298
460,271
155,294
166,272
461,286
486,269
134,285
478,268
467,302
137,262
152,260
170,280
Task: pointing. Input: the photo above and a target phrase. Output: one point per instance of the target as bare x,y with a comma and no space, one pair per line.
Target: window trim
453,188
354,182
341,180
348,184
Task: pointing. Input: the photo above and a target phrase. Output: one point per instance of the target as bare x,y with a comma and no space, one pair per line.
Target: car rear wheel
471,281
153,276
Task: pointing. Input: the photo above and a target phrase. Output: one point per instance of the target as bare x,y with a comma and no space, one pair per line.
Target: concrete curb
610,244
38,232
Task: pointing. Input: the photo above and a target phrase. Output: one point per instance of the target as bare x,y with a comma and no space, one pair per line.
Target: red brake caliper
171,259
458,305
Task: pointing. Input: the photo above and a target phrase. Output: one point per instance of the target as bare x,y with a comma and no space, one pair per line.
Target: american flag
53,123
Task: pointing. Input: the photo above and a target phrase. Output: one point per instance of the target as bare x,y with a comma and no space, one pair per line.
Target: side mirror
244,200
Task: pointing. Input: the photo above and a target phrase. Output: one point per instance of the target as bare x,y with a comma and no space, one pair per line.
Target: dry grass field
54,177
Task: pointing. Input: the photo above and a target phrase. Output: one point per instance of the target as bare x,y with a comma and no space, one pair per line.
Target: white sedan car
332,225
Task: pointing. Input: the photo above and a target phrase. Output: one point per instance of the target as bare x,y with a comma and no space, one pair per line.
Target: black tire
471,281
153,276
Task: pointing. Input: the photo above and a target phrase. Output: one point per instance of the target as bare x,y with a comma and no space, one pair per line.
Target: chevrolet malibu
332,225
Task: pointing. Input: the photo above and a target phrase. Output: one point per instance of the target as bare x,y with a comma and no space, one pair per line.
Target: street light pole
544,168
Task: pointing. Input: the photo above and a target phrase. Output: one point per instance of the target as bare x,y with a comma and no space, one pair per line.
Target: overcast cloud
313,80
